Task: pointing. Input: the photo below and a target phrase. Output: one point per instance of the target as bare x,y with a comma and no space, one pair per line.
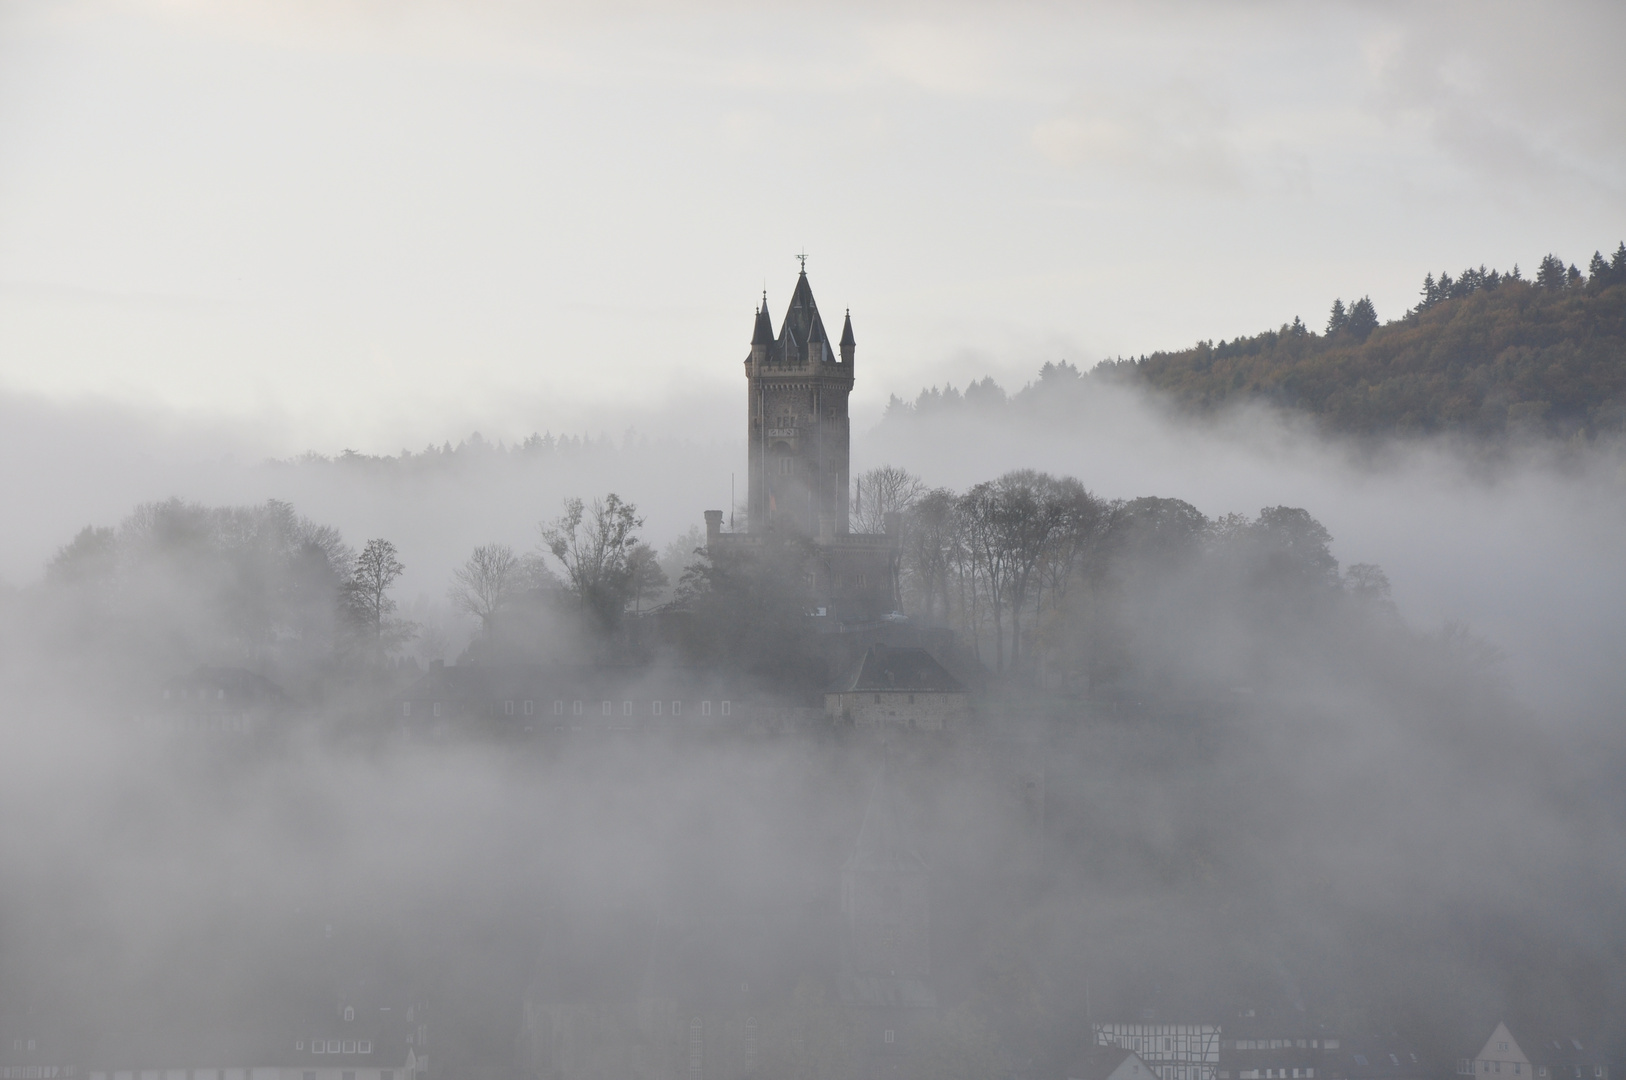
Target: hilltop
1484,353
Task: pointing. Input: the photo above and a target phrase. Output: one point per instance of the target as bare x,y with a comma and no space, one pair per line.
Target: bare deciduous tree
592,544
367,598
881,491
488,582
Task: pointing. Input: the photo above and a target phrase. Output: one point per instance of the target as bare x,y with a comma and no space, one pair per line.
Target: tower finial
802,255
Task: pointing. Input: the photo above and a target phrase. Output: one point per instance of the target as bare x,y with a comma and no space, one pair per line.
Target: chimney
714,526
893,524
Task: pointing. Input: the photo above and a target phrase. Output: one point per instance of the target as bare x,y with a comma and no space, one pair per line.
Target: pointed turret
848,344
762,334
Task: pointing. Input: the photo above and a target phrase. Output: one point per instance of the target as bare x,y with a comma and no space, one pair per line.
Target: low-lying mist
1405,817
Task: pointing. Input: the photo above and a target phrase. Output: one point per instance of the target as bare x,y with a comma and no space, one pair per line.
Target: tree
646,577
1552,273
92,555
679,554
1367,581
1597,272
982,511
1339,319
882,491
367,599
1363,318
1295,547
487,583
592,544
931,536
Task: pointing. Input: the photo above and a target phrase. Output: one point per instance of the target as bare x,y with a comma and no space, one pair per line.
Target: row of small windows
34,1072
605,708
1284,1044
1465,1067
339,1046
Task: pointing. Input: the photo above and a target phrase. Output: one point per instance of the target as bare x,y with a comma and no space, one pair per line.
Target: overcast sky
335,223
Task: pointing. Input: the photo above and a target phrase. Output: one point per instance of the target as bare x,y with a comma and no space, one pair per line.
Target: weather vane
803,256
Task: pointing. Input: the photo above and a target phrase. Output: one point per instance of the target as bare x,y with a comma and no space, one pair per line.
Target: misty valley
862,778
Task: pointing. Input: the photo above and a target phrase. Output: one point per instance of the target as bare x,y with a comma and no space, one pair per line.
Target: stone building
798,464
892,686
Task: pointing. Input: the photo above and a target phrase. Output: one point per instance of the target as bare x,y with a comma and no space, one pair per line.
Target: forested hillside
1484,353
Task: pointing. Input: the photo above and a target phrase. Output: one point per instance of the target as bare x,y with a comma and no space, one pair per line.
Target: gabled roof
884,669
1556,1049
1102,1062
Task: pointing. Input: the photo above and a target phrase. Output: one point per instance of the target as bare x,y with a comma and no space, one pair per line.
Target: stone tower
797,384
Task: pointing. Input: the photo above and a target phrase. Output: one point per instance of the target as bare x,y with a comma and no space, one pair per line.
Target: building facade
1532,1057
798,440
1174,1051
797,383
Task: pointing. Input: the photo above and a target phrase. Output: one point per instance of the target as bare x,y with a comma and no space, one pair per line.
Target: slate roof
762,334
884,669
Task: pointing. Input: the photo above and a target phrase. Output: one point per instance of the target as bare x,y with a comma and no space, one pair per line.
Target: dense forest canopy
1483,353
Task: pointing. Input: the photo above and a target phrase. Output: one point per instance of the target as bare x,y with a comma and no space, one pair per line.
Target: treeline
1050,583
1483,353
177,584
472,451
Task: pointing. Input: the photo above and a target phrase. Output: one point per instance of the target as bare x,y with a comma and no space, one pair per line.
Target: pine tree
1431,291
1362,319
1597,272
1338,320
1552,274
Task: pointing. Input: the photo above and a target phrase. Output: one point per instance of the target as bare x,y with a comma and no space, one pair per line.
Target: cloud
1515,93
1176,135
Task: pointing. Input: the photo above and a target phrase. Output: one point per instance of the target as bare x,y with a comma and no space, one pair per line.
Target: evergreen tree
1552,273
1339,320
1362,318
1597,271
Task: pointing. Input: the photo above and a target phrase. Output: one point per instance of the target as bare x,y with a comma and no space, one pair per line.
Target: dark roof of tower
762,333
847,332
882,843
802,316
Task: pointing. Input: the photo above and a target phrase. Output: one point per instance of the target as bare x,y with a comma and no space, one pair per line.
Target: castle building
797,426
799,461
